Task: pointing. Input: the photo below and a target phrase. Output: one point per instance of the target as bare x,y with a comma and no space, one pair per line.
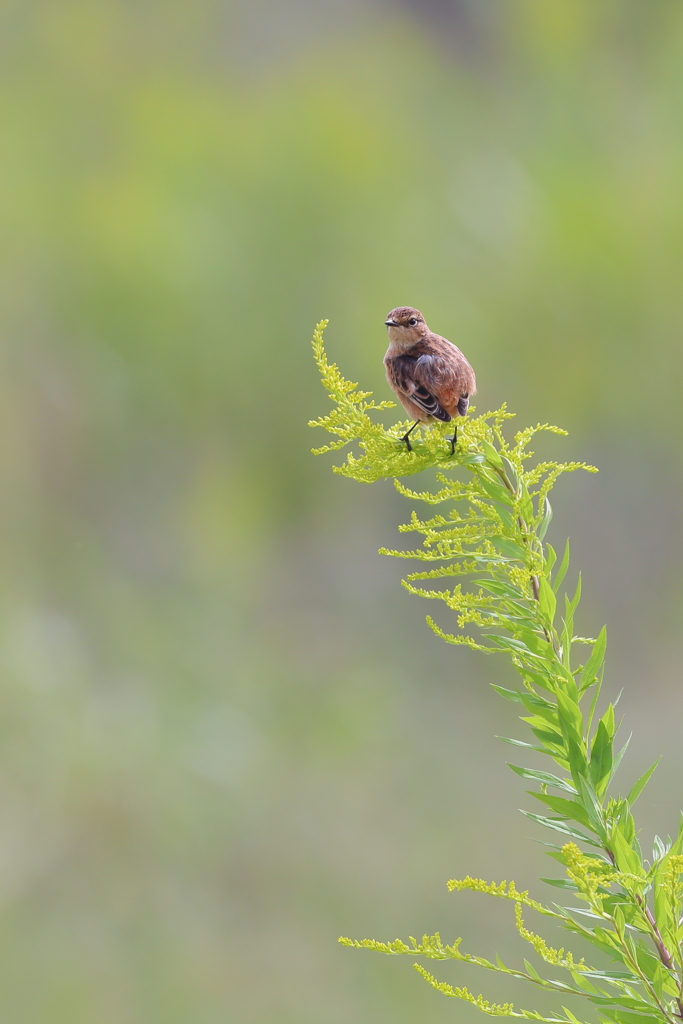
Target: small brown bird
430,375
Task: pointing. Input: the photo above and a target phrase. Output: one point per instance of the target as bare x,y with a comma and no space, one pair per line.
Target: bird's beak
390,323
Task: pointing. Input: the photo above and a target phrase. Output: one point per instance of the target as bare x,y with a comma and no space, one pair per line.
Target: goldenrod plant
489,531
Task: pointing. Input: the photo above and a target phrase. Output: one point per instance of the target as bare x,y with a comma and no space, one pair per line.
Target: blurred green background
226,734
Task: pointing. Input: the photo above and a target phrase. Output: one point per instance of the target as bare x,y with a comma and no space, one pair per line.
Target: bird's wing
434,374
448,375
415,378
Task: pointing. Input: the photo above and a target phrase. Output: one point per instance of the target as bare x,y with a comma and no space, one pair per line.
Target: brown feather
429,375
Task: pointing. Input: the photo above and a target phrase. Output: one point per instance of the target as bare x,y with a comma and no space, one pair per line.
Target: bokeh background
226,734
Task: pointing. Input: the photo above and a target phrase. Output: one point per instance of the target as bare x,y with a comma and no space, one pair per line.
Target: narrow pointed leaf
567,808
594,663
521,743
600,767
545,777
547,600
560,826
642,782
545,523
562,570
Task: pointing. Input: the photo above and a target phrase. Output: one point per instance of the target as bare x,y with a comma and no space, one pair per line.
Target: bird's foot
453,441
407,441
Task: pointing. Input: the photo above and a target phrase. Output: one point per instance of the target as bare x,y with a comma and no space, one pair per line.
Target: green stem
527,535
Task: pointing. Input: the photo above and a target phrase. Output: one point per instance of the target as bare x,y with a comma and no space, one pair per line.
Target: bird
429,374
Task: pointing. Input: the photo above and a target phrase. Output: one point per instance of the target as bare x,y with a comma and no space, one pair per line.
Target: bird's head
406,326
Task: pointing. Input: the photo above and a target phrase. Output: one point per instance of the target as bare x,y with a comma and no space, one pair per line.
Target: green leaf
555,852
594,663
506,516
600,767
678,842
544,682
617,759
623,1017
510,643
574,603
500,587
626,857
548,736
545,522
562,571
593,806
569,715
611,975
542,713
660,849
495,490
525,506
608,719
511,472
544,777
651,966
594,704
510,548
581,981
567,808
624,822
568,630
577,760
530,701
559,826
492,455
561,883
570,721
629,912
538,644
608,942
521,743
642,782
513,695
547,600
629,1002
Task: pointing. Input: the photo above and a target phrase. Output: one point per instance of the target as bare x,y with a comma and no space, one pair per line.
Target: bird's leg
407,436
454,439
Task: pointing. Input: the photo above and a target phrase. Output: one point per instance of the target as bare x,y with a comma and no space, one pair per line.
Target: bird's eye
412,321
